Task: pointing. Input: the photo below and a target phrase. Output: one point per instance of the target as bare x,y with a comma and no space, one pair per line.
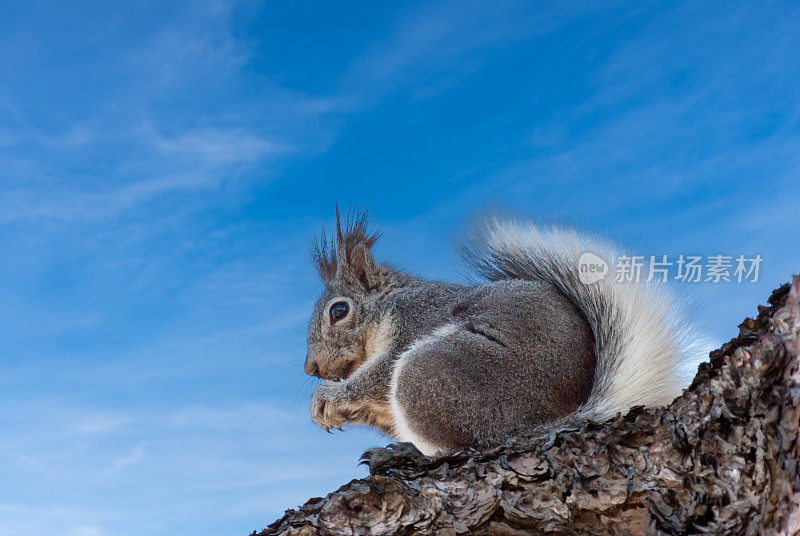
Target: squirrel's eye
339,310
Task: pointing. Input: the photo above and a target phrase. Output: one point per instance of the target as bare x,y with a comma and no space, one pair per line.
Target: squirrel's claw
403,457
326,411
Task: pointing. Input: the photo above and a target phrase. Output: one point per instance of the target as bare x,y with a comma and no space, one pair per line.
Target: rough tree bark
722,459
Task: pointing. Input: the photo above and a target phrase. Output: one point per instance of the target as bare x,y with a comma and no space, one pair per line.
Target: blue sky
164,165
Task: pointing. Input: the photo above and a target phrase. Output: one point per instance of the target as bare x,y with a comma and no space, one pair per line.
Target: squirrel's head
345,315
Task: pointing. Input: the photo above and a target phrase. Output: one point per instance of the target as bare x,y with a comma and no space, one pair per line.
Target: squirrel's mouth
342,374
336,369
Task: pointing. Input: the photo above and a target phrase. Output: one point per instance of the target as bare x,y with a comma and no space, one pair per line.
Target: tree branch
724,458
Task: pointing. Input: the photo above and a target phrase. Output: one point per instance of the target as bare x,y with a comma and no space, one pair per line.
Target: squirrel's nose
311,366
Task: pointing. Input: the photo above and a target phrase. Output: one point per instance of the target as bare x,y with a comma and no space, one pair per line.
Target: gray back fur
641,336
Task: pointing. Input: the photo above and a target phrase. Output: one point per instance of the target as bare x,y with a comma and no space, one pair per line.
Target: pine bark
723,458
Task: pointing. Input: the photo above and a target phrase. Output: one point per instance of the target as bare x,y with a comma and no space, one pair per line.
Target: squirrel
448,367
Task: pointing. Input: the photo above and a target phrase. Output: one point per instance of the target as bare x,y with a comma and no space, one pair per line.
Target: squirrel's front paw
326,410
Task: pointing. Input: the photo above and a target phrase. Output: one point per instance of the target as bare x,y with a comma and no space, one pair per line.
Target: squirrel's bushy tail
641,337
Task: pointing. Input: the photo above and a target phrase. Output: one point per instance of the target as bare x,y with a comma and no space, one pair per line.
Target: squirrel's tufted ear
354,261
361,267
350,259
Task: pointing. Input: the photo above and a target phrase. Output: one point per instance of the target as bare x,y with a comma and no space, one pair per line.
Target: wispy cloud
142,139
43,519
132,458
439,43
171,448
215,147
670,116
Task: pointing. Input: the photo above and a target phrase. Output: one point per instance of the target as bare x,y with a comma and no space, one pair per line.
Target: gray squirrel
447,366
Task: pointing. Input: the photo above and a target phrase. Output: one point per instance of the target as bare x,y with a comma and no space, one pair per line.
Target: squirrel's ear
362,267
357,266
353,253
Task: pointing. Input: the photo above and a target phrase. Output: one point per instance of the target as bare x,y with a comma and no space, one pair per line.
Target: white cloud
97,424
440,42
49,518
135,456
164,468
216,146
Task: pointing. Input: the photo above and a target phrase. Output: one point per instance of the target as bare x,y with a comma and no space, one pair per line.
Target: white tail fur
641,337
